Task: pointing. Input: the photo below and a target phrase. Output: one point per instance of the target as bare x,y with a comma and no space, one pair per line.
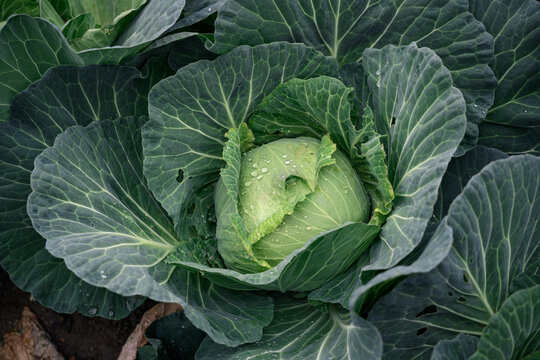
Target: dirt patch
76,336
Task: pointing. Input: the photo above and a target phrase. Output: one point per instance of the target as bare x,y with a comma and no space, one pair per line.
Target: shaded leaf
493,236
512,333
512,123
300,331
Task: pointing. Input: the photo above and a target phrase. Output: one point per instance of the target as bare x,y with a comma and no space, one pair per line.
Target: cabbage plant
338,180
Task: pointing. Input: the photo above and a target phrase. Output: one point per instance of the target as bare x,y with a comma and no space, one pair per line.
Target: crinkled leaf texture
494,236
512,124
319,106
65,96
344,29
91,203
422,117
301,332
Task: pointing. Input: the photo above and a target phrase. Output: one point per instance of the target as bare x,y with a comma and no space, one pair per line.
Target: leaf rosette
187,203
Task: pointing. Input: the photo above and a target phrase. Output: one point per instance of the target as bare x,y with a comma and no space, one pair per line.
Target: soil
77,337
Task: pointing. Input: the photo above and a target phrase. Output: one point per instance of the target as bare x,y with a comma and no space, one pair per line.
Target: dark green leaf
64,97
11,7
422,117
459,172
494,237
91,203
20,67
513,332
512,124
343,29
434,253
459,348
301,332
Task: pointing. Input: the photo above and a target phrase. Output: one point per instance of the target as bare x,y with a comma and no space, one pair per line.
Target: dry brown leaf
137,338
31,343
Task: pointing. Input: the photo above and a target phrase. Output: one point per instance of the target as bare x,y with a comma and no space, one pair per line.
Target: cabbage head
290,190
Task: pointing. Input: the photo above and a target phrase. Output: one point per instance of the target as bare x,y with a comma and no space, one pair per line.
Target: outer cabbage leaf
459,348
65,96
494,232
512,124
191,112
513,333
351,289
457,175
301,332
91,203
19,67
33,45
345,28
422,117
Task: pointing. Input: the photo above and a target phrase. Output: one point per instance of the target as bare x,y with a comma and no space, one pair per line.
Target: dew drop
111,313
92,310
346,191
103,276
259,177
255,166
284,156
475,105
248,183
308,228
379,83
264,170
378,72
287,162
252,207
254,173
294,166
209,9
525,111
